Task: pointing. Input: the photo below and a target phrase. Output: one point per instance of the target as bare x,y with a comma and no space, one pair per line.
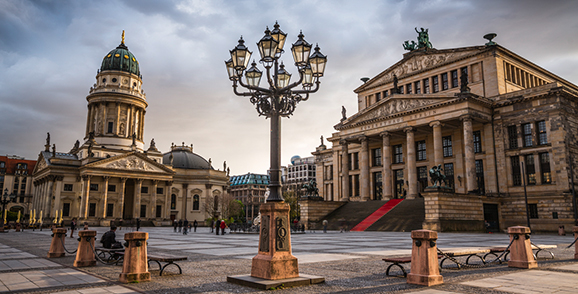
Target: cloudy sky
50,52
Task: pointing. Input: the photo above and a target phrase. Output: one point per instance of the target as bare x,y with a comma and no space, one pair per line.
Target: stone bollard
575,231
135,264
561,231
424,259
85,255
57,245
521,250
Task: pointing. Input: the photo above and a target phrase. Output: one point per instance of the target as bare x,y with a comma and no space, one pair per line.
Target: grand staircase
401,216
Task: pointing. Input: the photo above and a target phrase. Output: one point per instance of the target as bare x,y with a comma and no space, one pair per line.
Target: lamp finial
122,42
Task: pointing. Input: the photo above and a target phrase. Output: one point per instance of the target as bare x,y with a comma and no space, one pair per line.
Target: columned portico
344,171
364,162
470,161
386,179
411,164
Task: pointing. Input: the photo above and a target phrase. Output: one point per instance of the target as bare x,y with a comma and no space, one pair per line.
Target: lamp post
5,200
278,99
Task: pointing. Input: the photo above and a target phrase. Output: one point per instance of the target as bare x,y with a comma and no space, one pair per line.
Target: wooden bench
467,252
538,248
169,259
397,261
110,254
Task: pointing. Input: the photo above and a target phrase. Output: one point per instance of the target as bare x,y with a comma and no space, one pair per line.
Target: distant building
16,178
250,190
299,172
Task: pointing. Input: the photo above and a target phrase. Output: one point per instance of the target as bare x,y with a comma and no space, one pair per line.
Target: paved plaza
350,262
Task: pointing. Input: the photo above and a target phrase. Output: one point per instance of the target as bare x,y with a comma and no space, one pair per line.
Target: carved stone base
274,260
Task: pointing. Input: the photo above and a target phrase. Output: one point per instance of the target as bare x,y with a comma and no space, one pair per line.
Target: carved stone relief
264,238
281,231
130,163
395,106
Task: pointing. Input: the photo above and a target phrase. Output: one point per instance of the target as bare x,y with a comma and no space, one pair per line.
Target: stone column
154,199
128,127
88,120
386,173
168,188
411,168
104,121
105,197
120,213
437,142
364,174
57,191
137,195
344,171
470,160
142,124
335,175
117,120
184,202
86,196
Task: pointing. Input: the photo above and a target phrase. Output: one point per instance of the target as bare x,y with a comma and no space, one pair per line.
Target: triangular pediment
387,108
41,163
421,60
133,162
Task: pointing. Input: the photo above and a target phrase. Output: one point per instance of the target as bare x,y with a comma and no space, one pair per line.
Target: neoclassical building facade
111,175
496,123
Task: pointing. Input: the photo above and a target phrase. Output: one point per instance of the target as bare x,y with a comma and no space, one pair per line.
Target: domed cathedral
111,176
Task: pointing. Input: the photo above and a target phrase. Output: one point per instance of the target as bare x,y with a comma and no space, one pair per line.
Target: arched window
196,202
173,201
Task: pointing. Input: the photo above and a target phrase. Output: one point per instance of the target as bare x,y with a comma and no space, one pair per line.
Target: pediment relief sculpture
131,164
395,106
41,164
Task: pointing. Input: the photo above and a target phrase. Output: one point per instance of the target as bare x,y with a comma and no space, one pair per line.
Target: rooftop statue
422,41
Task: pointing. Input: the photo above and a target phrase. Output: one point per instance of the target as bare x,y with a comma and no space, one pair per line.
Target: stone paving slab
16,255
33,263
98,290
44,278
530,282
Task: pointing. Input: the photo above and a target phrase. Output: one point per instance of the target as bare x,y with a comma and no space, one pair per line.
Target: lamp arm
259,89
240,94
317,82
269,80
294,84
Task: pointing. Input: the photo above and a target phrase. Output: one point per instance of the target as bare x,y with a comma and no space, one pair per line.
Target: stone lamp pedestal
521,255
424,259
274,265
84,254
57,245
135,265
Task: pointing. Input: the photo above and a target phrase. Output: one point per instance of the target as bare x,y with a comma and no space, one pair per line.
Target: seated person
108,240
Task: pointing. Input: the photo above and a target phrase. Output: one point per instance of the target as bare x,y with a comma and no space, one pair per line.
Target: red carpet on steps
367,222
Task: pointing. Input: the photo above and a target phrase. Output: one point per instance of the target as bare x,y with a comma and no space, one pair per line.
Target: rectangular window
545,168
426,86
420,148
143,210
159,210
65,209
530,169
68,187
109,209
533,208
513,137
449,172
541,131
477,142
516,174
376,156
350,185
144,190
377,96
159,191
356,160
527,133
385,93
356,181
417,86
435,84
92,209
447,146
422,177
445,84
93,187
400,90
408,88
454,78
480,175
110,127
397,154
111,188
464,70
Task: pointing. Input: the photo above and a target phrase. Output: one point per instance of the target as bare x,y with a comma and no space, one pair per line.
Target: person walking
212,224
325,226
180,225
218,226
120,224
72,227
195,224
137,224
175,225
185,226
223,226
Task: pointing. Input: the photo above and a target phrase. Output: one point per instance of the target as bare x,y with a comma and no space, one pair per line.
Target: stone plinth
575,231
57,245
85,254
18,227
521,250
448,211
424,259
274,260
135,266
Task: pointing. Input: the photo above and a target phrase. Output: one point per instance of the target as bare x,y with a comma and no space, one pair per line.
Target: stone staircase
352,213
405,217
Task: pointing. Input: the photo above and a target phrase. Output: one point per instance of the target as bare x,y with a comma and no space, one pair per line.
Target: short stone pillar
57,245
135,265
521,250
424,259
84,254
274,260
18,227
575,231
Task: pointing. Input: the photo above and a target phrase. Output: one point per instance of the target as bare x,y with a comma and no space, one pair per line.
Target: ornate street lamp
5,200
278,99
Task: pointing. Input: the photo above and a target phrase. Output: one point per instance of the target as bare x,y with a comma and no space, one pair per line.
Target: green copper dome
120,59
